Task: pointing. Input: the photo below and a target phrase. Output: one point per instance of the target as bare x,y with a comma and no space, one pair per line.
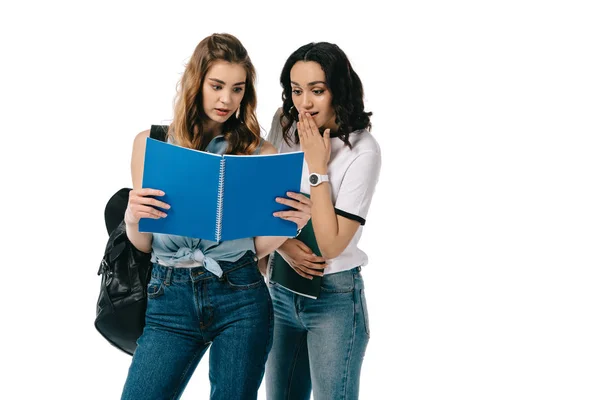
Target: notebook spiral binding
220,200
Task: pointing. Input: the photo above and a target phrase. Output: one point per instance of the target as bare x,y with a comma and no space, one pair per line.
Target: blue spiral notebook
220,197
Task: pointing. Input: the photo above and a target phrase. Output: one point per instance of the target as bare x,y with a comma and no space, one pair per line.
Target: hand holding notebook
286,276
302,259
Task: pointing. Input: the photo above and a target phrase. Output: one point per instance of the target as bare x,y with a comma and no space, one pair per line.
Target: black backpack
121,307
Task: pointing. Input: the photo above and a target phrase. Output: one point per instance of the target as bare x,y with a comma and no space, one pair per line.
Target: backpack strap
159,132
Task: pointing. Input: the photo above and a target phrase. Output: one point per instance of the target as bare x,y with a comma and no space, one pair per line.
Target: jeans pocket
339,282
365,312
155,288
243,278
155,291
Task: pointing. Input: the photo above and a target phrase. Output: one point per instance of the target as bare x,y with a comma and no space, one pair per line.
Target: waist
178,251
184,274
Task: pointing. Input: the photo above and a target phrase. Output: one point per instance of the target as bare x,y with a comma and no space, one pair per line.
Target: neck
211,129
331,125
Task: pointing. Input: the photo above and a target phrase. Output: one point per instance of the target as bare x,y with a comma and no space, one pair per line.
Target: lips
222,111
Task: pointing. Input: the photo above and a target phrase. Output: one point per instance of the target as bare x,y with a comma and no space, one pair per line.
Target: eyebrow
223,83
311,83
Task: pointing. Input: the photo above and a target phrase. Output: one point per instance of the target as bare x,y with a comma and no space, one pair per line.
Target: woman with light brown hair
204,293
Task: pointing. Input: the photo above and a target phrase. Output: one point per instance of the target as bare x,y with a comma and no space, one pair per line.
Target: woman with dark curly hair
319,344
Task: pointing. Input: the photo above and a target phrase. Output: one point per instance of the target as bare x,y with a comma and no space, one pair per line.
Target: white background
483,280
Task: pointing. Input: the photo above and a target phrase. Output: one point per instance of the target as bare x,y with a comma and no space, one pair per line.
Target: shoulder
363,160
277,115
276,121
364,142
141,137
267,148
139,142
276,130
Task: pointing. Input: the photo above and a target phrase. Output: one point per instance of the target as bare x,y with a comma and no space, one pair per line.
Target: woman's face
223,90
311,94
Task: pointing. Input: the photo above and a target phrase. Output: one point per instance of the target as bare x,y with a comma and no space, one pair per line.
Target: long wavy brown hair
242,130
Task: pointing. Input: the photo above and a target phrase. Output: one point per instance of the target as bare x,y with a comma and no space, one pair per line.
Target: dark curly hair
344,84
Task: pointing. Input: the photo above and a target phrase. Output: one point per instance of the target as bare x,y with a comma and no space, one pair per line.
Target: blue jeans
318,344
190,309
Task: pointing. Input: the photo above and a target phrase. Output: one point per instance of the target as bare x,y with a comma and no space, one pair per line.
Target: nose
306,103
225,97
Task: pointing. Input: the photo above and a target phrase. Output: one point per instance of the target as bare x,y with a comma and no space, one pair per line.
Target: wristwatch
316,179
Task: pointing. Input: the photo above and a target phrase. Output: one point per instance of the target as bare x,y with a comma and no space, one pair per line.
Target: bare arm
139,205
333,232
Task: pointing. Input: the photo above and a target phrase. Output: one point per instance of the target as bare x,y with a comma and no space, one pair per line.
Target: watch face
313,179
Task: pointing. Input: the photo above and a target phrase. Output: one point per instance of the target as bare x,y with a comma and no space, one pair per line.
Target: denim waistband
182,274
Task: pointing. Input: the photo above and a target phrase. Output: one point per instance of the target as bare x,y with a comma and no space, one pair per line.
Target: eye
238,90
217,87
296,92
318,91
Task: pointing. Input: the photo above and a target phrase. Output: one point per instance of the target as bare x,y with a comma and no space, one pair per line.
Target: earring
237,113
292,109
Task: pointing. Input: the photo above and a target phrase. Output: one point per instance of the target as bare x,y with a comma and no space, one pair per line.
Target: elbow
333,247
331,251
144,249
142,246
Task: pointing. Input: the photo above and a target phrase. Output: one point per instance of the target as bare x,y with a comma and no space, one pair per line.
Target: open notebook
220,197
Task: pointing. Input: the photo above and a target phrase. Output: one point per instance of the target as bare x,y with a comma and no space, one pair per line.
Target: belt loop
168,277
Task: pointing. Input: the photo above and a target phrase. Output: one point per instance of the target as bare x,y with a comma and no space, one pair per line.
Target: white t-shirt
353,175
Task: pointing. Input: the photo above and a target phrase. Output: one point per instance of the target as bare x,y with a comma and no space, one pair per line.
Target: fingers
301,203
139,196
327,140
300,244
303,123
300,197
289,215
149,201
307,272
147,192
310,259
318,267
315,259
301,258
302,134
135,213
300,220
150,215
147,212
311,128
294,204
307,128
